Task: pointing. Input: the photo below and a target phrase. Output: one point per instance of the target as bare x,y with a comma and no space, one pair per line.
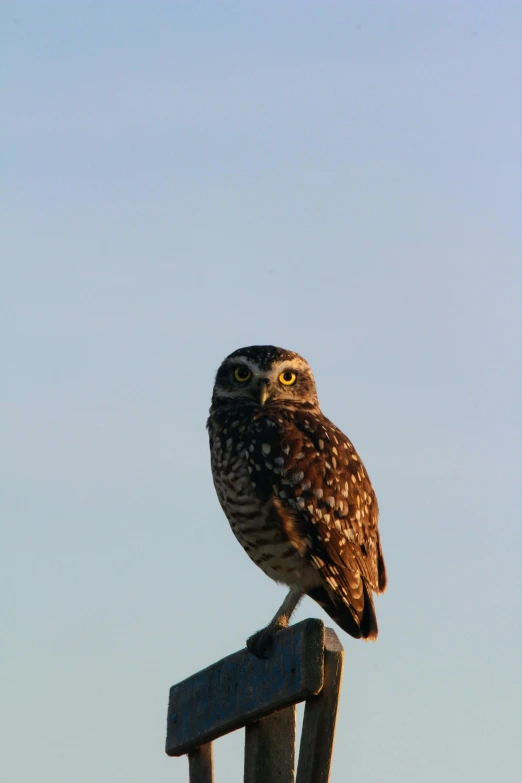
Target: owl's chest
247,472
232,474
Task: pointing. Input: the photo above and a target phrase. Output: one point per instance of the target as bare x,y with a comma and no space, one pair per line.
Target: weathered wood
270,748
241,688
201,764
317,736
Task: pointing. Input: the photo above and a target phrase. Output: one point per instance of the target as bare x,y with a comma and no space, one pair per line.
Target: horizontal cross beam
241,688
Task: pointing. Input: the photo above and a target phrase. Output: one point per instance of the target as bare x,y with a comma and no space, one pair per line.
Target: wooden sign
241,688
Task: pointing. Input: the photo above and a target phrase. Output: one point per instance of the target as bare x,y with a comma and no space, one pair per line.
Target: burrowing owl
294,490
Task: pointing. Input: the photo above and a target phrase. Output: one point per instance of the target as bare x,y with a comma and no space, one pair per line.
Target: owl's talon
261,644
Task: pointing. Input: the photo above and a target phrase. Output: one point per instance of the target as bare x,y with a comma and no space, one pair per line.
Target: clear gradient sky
179,180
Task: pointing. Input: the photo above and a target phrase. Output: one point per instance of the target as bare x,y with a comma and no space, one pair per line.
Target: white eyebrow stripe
252,366
293,363
288,365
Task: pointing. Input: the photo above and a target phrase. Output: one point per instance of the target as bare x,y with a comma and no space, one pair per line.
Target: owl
294,490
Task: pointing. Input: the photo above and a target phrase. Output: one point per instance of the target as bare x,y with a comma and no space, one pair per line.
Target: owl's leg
262,642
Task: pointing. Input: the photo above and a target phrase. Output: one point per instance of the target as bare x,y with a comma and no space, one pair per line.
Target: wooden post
201,764
317,736
260,695
241,688
270,748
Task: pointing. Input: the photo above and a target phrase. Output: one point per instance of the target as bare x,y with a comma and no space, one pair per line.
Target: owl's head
264,375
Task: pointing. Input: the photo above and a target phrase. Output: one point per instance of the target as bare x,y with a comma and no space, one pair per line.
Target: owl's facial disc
264,385
245,380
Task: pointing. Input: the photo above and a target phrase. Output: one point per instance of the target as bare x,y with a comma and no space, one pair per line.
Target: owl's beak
263,392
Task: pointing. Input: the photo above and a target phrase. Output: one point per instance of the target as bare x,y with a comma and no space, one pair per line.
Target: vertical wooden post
260,695
317,737
201,764
270,748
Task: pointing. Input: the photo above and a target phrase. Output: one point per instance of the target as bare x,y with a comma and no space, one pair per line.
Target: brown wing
327,506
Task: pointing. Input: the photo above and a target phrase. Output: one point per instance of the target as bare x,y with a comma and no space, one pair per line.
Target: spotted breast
242,451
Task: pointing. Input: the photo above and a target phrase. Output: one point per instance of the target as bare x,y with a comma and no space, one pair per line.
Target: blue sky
182,179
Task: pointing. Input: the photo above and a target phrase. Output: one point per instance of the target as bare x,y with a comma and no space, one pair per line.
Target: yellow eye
242,374
288,378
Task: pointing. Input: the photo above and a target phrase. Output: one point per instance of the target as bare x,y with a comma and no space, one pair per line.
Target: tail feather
345,616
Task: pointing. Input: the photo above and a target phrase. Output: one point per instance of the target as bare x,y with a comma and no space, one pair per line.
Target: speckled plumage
294,489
